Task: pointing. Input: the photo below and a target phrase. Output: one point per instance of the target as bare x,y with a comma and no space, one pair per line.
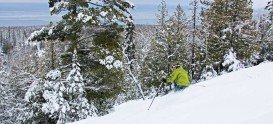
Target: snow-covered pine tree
231,26
142,41
244,33
207,71
79,107
265,29
269,7
131,64
103,69
215,47
157,64
55,105
231,62
167,48
264,37
83,25
179,35
197,39
45,101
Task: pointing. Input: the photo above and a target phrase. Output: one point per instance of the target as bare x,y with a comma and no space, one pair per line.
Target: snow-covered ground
241,97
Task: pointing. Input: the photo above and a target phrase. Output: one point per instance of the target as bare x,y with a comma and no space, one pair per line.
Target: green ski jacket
180,77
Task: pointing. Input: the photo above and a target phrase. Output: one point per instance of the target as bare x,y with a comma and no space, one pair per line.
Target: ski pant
178,88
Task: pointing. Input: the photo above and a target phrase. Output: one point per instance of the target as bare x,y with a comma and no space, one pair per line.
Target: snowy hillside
241,97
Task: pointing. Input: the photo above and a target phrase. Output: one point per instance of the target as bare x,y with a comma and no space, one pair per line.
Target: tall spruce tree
230,26
203,67
78,104
243,37
197,40
154,69
265,34
94,29
167,48
269,7
55,105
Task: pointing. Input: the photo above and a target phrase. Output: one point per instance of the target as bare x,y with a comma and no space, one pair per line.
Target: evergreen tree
131,65
230,26
269,7
78,104
143,46
153,68
263,39
179,26
167,48
94,29
55,106
243,37
211,17
231,62
197,39
204,73
57,101
46,101
102,68
265,34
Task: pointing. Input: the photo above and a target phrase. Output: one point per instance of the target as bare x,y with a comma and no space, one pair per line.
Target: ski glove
164,80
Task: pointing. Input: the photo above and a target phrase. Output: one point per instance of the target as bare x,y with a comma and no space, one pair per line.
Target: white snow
241,97
53,74
117,64
31,90
110,62
36,33
50,32
109,59
80,16
83,17
103,13
208,74
58,6
40,52
230,60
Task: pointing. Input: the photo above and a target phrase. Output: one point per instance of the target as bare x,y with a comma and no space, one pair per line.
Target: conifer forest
96,57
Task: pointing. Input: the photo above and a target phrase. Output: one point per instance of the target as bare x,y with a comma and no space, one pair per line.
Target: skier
179,77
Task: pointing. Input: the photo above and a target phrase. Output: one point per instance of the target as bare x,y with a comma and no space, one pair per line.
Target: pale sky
257,3
24,1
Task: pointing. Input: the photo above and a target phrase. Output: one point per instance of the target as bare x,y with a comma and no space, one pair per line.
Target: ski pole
156,94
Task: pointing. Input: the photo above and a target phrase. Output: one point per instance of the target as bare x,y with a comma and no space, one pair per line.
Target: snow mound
241,97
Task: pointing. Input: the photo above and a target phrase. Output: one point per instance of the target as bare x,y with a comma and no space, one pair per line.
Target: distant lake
23,14
28,14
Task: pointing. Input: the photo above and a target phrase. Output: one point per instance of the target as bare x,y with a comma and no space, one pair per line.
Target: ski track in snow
241,97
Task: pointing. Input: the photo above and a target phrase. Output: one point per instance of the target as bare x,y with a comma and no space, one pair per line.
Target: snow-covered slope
241,97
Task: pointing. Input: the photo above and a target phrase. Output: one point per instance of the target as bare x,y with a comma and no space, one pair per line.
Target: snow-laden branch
129,70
